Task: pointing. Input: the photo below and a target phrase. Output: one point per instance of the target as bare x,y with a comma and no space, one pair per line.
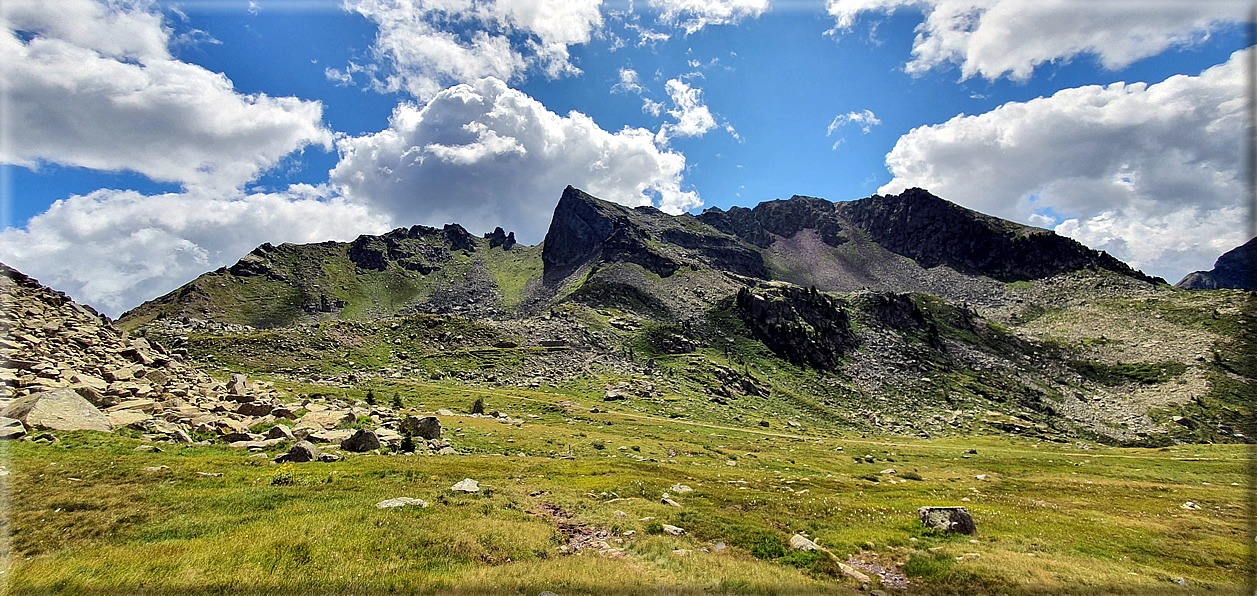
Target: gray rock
328,457
363,440
444,412
673,530
400,502
238,386
327,419
303,451
58,409
426,428
279,431
11,428
447,451
799,542
467,485
948,519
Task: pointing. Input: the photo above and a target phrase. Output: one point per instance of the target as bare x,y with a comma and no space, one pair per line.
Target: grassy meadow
87,515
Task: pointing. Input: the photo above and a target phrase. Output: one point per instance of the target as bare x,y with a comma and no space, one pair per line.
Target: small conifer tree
397,400
370,397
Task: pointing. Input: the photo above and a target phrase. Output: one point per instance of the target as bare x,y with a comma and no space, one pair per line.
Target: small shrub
599,445
477,407
397,401
655,528
370,397
911,476
408,441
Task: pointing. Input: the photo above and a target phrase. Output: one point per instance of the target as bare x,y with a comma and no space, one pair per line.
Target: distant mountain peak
1232,270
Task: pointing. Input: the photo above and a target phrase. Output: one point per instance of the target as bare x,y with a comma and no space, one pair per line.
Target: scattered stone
361,441
444,412
400,502
673,530
1190,505
1182,582
447,451
303,451
210,474
11,428
983,477
156,468
948,519
681,552
666,501
58,409
681,489
467,485
328,457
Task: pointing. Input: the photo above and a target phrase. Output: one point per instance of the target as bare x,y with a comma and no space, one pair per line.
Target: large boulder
303,451
58,409
327,419
948,519
426,428
363,440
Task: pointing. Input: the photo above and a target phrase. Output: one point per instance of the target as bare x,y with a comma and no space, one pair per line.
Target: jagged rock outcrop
803,326
780,218
1232,270
499,237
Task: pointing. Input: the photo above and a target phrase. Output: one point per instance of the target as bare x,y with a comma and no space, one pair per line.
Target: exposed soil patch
579,536
890,575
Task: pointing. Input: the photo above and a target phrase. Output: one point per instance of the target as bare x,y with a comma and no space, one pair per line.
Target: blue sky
148,142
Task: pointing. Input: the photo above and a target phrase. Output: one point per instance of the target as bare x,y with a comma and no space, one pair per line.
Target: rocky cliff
1232,270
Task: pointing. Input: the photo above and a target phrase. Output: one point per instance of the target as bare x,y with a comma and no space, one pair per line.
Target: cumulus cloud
693,118
114,249
431,44
1150,173
94,85
994,38
486,155
693,15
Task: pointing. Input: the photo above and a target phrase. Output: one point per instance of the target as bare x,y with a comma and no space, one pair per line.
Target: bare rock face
805,327
58,409
948,519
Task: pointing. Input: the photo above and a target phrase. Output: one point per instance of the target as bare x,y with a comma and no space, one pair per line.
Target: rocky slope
1234,269
899,314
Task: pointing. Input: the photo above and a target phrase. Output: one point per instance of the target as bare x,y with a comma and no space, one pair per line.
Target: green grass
1117,374
86,517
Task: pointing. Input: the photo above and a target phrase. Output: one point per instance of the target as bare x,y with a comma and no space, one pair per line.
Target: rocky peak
579,229
1232,270
783,218
586,228
933,231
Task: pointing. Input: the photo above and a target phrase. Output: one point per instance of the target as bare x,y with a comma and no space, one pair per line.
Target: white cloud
485,155
94,85
1150,173
114,249
693,118
654,108
629,82
430,44
693,15
864,118
994,38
